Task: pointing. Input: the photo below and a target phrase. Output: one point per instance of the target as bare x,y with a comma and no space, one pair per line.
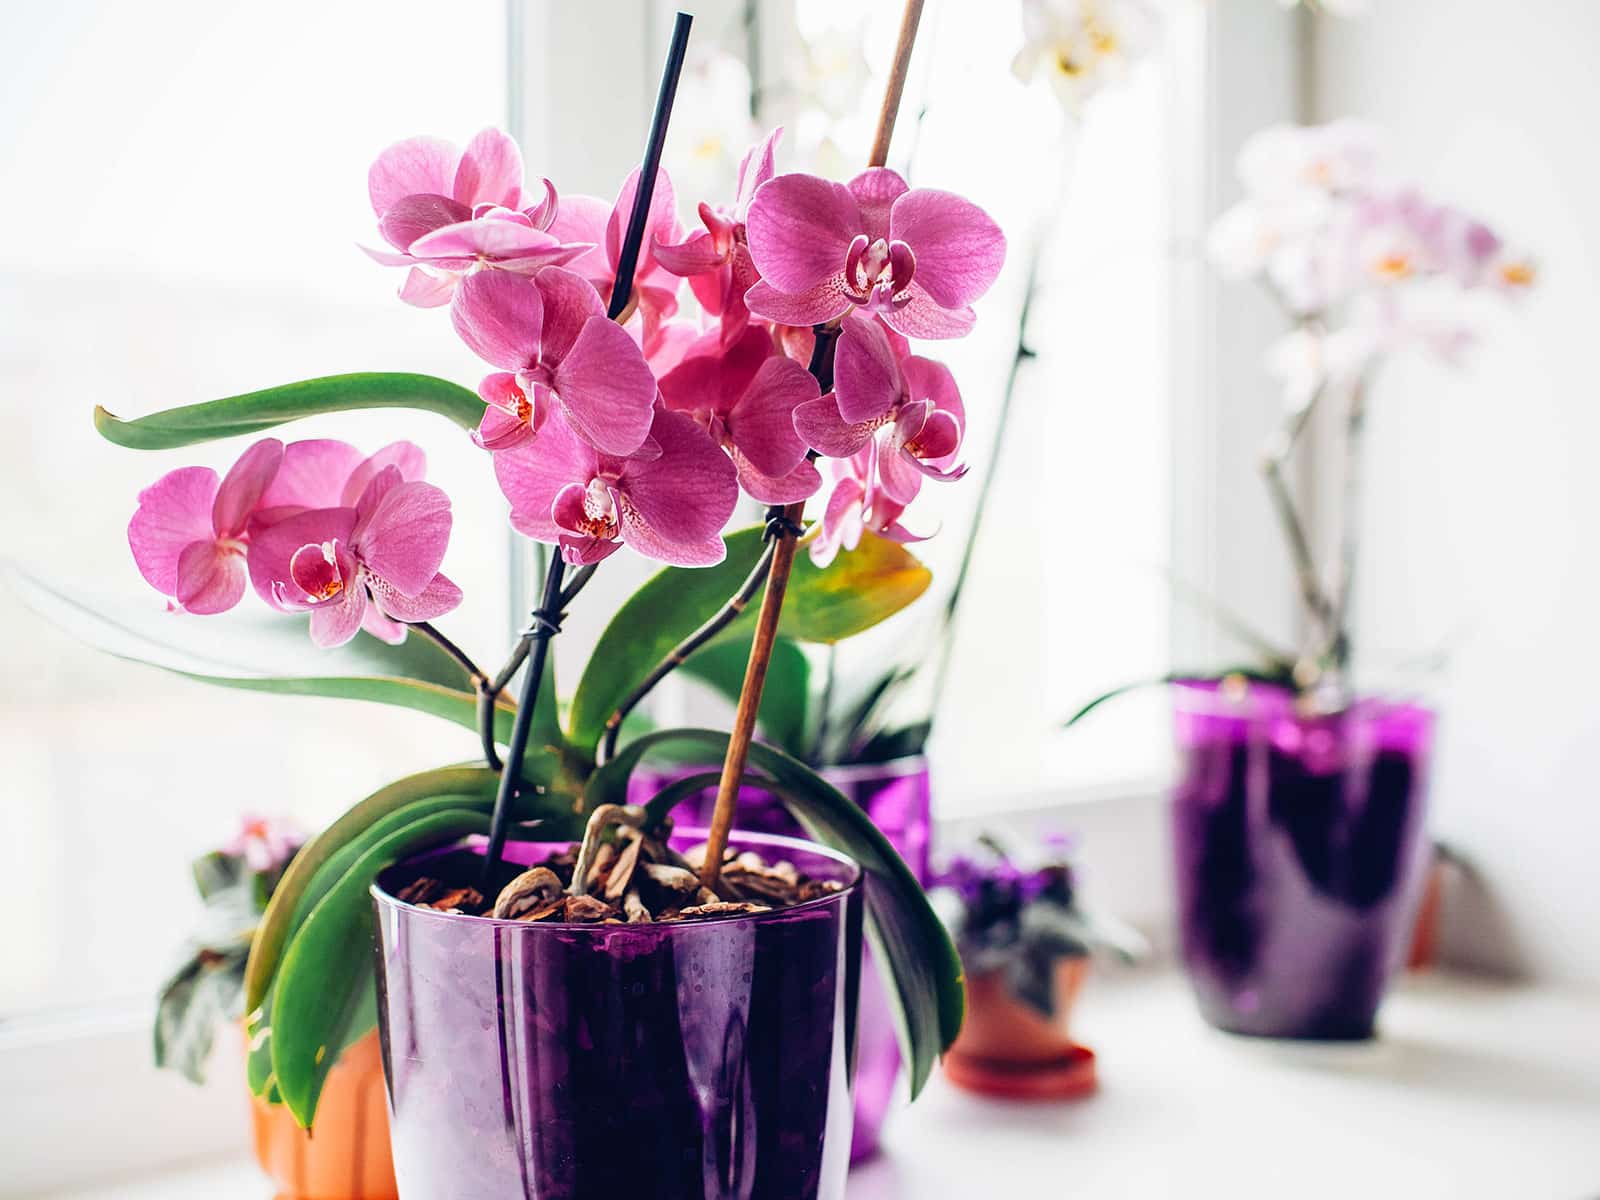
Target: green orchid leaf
289,900
256,412
326,858
319,993
921,967
1282,675
824,604
785,700
272,653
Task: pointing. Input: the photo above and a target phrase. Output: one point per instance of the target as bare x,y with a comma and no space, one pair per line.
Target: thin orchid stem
428,631
680,654
1338,632
546,623
1280,448
580,580
547,617
489,690
1008,397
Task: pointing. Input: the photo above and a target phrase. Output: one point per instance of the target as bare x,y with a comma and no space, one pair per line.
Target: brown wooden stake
755,672
909,20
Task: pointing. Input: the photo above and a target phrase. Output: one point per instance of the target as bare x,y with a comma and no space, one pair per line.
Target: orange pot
1007,1048
348,1158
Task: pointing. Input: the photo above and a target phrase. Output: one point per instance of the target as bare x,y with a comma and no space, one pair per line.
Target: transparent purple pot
896,796
703,1060
1300,857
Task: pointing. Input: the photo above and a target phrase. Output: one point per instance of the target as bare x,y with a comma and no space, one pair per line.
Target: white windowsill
1477,1091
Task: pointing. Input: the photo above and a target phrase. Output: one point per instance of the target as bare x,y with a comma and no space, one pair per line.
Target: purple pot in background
1300,856
694,1061
896,796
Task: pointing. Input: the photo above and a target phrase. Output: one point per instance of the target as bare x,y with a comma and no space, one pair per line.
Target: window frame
97,1109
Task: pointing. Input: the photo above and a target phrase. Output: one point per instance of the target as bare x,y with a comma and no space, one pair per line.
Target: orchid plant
1363,267
613,411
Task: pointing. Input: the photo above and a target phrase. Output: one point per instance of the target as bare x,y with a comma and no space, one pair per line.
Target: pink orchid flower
551,333
915,256
373,566
189,535
449,212
717,262
669,501
590,219
907,408
745,397
265,843
855,506
325,473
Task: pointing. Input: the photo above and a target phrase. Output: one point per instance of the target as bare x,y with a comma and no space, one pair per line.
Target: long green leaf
279,919
824,604
921,967
268,653
785,701
255,412
1283,676
319,986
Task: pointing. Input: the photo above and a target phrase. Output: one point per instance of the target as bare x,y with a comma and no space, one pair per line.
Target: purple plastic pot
1300,857
590,1062
896,796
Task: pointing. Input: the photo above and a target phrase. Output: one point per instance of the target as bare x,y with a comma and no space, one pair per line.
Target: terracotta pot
348,1159
1007,1048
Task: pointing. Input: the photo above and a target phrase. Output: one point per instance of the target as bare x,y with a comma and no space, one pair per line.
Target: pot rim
387,900
889,768
1272,701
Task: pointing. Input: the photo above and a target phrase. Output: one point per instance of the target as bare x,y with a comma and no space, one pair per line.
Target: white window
185,186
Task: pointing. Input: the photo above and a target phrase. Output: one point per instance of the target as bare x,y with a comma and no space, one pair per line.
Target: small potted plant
1299,811
574,997
349,1158
1025,942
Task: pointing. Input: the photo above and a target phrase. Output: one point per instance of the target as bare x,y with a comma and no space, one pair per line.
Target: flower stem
428,631
546,623
1338,651
547,617
1280,448
755,675
680,653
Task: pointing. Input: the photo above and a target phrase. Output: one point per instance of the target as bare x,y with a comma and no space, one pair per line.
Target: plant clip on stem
545,622
786,521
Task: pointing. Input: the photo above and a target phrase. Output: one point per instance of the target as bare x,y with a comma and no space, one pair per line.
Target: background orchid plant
1364,266
613,411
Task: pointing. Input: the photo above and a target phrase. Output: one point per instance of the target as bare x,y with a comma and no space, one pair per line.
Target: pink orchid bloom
745,397
590,219
265,843
551,333
374,565
325,473
717,262
189,535
856,506
448,212
915,256
906,408
669,501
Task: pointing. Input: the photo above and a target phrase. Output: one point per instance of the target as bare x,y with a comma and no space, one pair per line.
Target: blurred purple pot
693,1061
896,796
1300,857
